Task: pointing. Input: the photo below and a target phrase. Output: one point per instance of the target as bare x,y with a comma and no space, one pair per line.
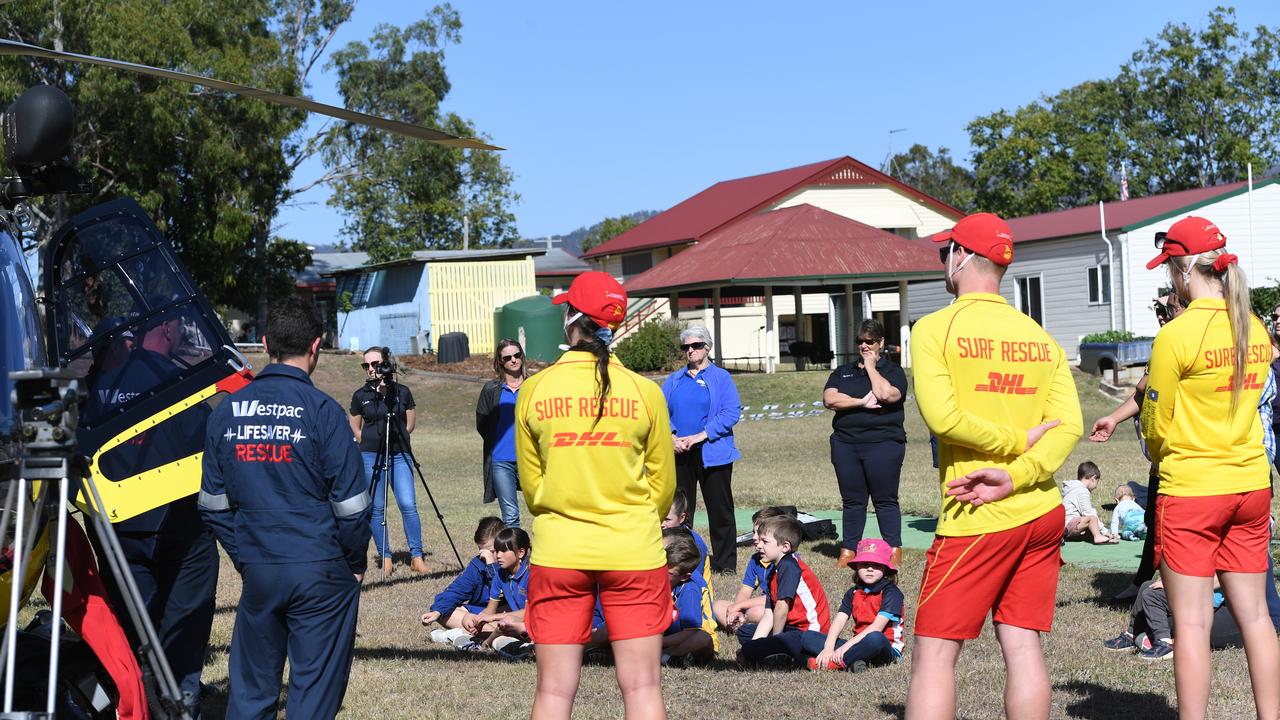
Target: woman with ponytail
1201,424
594,455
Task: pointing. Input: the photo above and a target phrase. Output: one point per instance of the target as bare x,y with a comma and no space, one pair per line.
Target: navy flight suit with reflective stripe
284,491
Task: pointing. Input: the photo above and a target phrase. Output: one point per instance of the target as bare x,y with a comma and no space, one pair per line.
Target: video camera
386,367
37,130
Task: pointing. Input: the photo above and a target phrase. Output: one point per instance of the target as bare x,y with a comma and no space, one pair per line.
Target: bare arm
409,416
356,422
833,399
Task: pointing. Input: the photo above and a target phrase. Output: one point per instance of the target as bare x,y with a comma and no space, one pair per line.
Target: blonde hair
1235,289
1125,491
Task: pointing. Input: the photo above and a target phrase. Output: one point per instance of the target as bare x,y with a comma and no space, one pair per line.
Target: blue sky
607,108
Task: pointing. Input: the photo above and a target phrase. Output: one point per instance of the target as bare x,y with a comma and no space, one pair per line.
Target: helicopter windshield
127,318
21,342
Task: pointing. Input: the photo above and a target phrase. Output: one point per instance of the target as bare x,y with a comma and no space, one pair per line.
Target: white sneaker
438,636
501,643
458,637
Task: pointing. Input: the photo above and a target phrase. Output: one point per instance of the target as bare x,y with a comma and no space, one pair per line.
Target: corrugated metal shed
800,245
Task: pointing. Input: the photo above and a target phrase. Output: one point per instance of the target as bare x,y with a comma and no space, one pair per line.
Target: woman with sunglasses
703,405
496,423
368,417
868,441
1201,424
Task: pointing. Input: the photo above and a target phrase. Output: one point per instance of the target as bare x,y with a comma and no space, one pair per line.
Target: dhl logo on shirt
1250,383
588,439
1006,383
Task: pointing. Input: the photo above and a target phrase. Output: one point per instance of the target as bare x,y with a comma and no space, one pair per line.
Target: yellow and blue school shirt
512,588
1187,421
756,573
692,599
703,553
985,374
469,590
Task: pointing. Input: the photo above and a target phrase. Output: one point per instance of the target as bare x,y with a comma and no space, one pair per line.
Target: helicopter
68,436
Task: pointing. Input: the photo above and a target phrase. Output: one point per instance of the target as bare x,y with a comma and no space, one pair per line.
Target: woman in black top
368,415
868,442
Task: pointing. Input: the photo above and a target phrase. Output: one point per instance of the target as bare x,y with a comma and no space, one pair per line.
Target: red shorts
636,603
1200,535
1012,574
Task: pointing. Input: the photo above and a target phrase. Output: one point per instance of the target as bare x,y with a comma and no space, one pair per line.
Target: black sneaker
858,666
780,661
1160,651
1120,643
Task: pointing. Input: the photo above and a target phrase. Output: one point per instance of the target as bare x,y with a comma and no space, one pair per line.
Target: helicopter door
125,315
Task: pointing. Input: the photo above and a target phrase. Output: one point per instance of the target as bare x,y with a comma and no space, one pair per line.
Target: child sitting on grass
1128,518
877,607
1082,519
510,589
691,636
678,516
469,592
794,601
744,608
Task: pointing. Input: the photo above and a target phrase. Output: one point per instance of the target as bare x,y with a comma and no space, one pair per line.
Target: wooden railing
638,314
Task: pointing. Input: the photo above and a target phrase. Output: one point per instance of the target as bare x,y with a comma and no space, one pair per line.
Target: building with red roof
845,225
1083,270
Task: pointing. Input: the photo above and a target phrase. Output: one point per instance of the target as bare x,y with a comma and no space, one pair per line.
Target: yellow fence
463,296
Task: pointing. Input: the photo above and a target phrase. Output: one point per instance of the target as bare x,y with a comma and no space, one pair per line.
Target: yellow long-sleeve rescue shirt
1204,449
985,374
597,491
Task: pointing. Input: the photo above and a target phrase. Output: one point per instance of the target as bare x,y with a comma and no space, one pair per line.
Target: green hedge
653,346
1111,336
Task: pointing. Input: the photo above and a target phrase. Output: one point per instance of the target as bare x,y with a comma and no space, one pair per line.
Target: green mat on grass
917,532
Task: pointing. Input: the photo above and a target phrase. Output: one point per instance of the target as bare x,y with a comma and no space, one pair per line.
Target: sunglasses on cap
1161,240
693,346
513,356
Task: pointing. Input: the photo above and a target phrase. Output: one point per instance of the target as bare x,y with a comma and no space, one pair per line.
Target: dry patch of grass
398,673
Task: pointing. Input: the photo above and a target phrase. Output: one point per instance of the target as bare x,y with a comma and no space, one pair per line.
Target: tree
400,194
204,164
1203,104
1190,109
606,230
935,174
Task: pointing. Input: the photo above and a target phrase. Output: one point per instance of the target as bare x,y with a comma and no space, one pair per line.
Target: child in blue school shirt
745,608
469,592
503,616
691,636
678,516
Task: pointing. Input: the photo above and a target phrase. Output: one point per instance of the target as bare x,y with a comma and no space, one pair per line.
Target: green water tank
543,325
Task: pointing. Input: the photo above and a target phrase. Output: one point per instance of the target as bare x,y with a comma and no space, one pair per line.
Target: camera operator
369,409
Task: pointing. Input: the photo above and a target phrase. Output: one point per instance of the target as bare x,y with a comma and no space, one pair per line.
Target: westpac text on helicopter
256,408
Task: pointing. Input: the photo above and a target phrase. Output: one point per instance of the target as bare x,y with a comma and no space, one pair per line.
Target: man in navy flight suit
171,554
284,491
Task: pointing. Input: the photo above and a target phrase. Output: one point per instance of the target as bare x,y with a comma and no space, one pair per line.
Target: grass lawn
398,673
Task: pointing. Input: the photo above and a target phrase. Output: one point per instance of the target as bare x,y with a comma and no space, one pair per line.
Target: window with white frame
1099,284
1030,297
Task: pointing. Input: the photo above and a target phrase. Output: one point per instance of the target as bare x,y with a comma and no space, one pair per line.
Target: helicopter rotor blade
12,47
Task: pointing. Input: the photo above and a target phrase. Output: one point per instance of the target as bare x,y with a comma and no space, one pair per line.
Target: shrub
653,346
1111,336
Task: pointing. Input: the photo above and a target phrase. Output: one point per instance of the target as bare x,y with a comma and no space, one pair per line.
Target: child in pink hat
878,610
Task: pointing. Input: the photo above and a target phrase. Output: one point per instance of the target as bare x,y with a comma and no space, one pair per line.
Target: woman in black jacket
495,421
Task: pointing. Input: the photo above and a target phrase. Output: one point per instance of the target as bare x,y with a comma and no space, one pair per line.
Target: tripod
385,462
48,401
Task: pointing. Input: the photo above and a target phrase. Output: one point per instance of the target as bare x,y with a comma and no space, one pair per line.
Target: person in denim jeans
495,421
368,413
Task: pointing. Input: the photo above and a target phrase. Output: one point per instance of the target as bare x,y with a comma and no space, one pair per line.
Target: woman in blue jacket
703,403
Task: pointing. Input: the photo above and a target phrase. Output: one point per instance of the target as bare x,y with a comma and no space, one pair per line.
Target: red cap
1189,236
598,296
982,233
